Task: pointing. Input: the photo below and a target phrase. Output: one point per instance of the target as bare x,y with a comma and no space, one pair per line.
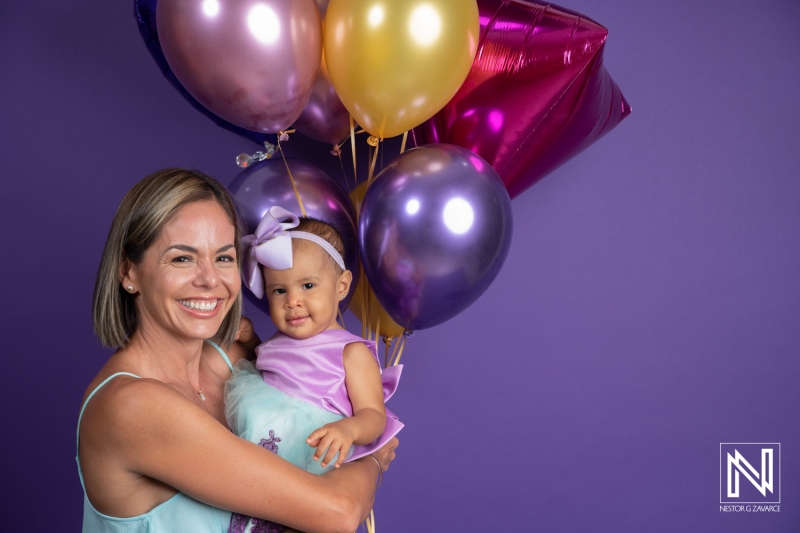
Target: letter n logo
749,472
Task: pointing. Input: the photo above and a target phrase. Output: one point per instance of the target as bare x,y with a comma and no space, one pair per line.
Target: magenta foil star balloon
537,93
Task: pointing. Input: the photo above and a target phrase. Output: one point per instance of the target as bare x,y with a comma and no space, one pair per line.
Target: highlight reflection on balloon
253,64
396,63
537,93
434,231
266,184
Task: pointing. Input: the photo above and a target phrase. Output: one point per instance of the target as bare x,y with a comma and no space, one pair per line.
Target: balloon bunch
495,93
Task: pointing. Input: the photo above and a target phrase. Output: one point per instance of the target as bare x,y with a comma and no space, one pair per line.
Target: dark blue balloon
145,13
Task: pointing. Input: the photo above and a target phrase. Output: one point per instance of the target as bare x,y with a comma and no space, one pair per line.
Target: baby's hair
324,230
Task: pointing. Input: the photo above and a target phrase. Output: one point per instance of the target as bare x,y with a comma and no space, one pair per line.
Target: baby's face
304,300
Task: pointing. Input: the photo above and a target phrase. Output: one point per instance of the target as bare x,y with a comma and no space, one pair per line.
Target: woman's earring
342,297
130,288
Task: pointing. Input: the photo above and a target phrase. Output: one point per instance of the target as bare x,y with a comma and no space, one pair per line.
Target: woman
154,450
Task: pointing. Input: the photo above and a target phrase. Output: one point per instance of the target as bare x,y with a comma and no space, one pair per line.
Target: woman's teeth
200,305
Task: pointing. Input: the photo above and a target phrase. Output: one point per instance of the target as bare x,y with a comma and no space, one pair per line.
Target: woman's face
188,279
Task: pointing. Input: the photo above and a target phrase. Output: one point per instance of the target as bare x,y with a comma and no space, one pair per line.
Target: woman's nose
207,275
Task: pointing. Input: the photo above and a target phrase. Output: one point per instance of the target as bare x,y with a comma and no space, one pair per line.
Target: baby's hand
335,437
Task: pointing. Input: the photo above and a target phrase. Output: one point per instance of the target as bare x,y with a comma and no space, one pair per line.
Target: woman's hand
246,336
246,342
386,454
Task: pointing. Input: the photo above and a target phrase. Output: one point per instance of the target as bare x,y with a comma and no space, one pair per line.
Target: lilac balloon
251,62
325,118
267,183
434,231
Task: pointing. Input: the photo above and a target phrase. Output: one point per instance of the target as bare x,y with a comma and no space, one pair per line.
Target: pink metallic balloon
251,62
537,93
325,118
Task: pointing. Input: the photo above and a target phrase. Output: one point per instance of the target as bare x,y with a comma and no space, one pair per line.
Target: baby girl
316,394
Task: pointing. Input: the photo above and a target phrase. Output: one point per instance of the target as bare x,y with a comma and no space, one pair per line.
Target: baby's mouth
296,320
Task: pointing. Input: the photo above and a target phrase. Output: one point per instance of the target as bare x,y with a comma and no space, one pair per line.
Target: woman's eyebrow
184,248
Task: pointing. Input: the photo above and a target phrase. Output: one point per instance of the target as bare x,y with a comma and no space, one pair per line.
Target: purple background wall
648,310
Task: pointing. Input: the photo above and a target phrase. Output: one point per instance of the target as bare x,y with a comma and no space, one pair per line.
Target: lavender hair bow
271,246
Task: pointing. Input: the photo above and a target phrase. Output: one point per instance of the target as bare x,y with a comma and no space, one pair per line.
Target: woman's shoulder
121,397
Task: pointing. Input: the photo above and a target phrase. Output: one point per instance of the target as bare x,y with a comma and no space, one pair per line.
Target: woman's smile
201,307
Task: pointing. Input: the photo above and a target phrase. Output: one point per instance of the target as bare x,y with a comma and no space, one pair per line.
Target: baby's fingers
334,447
342,456
322,446
315,437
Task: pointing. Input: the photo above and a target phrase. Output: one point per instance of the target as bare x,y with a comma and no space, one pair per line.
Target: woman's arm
157,433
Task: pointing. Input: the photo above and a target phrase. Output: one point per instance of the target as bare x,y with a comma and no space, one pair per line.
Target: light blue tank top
176,515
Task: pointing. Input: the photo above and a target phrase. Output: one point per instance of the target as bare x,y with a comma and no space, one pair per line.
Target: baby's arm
364,386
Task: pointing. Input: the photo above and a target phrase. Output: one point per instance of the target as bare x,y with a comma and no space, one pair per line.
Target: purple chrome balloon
324,118
251,62
267,184
434,231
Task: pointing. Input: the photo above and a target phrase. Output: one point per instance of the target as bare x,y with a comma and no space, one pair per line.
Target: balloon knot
373,141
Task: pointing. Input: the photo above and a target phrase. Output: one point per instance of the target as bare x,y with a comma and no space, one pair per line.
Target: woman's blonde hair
140,217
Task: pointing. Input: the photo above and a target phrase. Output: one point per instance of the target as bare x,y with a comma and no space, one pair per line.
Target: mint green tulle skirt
280,423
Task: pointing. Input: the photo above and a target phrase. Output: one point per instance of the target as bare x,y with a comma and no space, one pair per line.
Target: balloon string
403,146
386,342
400,352
344,174
353,149
341,318
372,165
377,329
370,522
291,178
394,351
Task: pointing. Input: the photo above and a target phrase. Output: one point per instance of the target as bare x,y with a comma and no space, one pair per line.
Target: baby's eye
278,291
308,285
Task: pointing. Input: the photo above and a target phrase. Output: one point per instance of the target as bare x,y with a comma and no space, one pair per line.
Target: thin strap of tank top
80,417
222,353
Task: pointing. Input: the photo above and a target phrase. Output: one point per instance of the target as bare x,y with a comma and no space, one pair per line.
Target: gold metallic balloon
395,63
